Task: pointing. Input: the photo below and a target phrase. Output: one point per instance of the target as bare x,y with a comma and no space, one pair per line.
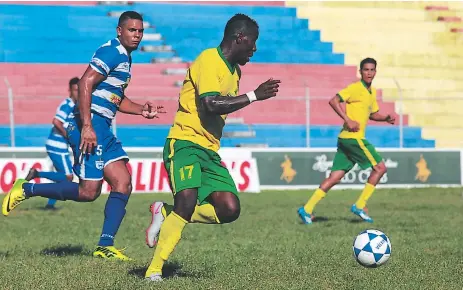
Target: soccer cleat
158,215
362,213
33,173
110,252
14,197
305,217
156,277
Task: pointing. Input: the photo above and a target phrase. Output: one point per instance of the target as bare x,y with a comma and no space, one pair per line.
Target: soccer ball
372,248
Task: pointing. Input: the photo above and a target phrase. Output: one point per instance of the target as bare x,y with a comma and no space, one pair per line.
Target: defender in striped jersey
57,145
97,152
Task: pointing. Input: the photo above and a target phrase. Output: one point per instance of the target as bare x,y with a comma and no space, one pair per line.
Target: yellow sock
205,214
171,232
316,197
366,193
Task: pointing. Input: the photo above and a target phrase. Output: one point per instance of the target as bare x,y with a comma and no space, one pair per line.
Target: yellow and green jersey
360,103
209,75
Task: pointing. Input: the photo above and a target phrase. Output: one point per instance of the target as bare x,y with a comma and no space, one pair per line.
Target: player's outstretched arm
148,110
376,116
335,103
221,105
87,83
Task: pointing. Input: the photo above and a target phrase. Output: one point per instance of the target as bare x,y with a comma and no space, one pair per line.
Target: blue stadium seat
273,135
284,38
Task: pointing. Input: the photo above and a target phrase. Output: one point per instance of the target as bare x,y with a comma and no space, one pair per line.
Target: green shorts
192,166
355,151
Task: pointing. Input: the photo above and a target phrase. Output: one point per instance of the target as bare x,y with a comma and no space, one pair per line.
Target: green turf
267,248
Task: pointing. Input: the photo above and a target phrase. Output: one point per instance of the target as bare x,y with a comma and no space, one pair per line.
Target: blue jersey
112,61
56,142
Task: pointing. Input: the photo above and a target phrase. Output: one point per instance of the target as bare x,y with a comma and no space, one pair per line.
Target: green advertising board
308,168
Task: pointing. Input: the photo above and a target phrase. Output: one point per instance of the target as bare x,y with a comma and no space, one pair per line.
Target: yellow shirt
209,75
360,103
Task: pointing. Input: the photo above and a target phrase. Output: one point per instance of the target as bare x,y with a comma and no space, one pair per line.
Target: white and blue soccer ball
372,248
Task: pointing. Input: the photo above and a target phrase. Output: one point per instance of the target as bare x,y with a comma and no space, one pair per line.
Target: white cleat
154,278
157,218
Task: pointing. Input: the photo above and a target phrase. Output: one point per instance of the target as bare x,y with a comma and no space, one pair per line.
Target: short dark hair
239,23
129,15
73,81
367,60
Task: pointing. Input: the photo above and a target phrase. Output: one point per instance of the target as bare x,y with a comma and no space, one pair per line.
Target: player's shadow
320,219
168,271
4,254
354,220
66,250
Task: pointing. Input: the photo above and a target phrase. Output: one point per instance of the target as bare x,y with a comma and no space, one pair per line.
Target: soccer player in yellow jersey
353,148
204,191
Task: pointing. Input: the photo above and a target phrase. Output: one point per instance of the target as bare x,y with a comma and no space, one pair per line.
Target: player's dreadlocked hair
129,15
239,23
367,60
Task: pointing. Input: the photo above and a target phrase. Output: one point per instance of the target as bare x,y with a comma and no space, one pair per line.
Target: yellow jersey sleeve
346,93
207,80
374,105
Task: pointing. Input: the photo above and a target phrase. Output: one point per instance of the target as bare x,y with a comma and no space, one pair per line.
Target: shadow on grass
65,250
170,270
320,219
356,221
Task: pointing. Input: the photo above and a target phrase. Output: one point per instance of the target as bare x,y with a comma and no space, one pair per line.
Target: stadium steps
413,49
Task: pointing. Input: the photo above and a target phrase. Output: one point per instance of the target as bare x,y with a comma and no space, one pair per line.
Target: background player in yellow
353,148
204,191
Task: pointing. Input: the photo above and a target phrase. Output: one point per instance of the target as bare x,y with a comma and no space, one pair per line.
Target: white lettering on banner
148,175
355,174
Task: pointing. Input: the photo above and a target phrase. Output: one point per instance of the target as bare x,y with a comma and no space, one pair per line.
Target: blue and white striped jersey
112,61
56,142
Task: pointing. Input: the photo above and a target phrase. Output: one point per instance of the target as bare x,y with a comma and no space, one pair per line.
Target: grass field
267,248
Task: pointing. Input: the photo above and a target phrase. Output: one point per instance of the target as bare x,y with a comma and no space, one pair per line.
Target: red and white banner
148,175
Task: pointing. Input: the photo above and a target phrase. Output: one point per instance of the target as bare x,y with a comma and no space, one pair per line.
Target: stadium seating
39,66
416,49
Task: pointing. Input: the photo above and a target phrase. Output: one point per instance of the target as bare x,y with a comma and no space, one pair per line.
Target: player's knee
185,202
229,211
122,185
335,178
380,168
88,195
89,191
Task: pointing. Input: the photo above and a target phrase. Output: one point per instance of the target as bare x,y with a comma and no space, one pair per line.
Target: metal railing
301,110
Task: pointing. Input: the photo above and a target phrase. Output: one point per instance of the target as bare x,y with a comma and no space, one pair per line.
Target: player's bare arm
59,126
148,110
87,84
335,103
378,117
221,105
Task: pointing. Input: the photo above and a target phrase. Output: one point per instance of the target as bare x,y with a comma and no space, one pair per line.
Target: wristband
251,96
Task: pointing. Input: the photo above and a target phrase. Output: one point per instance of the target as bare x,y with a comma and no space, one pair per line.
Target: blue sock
114,212
51,202
53,176
65,190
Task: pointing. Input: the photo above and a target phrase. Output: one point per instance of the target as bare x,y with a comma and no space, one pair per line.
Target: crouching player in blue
97,152
57,146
